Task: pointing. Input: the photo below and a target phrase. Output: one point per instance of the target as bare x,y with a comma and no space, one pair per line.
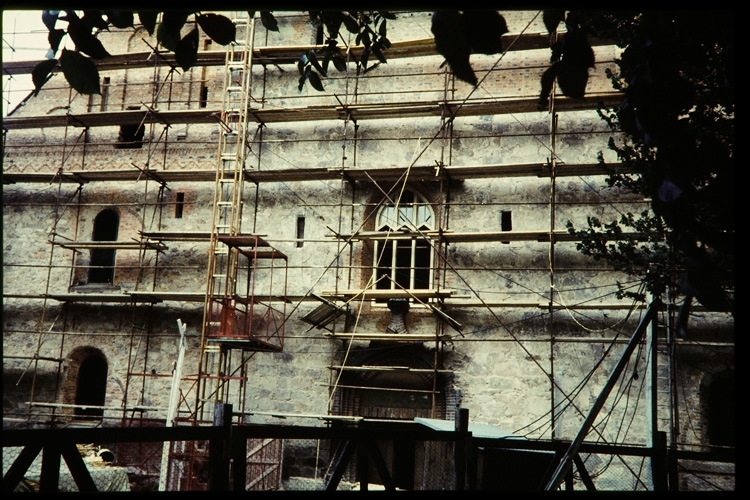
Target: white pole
174,399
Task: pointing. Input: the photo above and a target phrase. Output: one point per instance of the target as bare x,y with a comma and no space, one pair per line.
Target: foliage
572,56
676,119
78,66
677,122
458,34
370,28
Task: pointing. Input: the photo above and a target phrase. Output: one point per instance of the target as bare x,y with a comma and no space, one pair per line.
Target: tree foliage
458,34
78,66
676,118
370,28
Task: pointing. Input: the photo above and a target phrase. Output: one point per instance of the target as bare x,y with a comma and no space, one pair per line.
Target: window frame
415,214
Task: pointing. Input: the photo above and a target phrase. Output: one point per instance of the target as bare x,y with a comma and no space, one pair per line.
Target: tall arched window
404,262
102,262
91,386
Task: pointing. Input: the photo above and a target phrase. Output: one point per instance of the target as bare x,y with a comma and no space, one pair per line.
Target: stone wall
512,365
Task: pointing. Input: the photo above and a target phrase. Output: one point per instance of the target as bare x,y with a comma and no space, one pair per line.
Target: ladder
227,212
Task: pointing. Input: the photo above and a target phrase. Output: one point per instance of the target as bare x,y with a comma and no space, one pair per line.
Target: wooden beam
288,54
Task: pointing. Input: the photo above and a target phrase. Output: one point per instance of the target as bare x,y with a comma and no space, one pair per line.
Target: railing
366,451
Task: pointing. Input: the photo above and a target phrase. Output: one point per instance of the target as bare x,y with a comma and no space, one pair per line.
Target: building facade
392,247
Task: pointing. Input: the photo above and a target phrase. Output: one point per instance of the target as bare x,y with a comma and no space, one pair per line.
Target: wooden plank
177,235
318,113
398,337
417,172
288,54
389,294
110,245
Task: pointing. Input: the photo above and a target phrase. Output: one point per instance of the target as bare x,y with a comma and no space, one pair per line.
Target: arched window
102,262
404,262
91,386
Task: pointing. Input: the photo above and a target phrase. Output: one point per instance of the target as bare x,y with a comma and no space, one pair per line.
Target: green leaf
378,54
49,18
80,72
219,28
120,18
301,82
54,37
168,32
268,20
314,61
41,72
94,19
167,37
302,64
148,20
85,41
365,57
315,81
352,26
339,62
382,28
186,52
175,19
332,21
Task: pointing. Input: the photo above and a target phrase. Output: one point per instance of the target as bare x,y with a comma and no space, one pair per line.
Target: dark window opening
403,263
130,137
722,407
422,254
300,231
91,387
506,222
179,204
391,395
105,93
401,270
102,265
204,97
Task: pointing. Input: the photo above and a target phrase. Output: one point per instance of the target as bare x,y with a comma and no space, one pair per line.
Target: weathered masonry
388,250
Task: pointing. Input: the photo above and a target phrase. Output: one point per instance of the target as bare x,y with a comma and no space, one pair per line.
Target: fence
340,457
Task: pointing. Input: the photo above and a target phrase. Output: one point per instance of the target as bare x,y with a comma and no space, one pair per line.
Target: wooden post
659,462
239,464
218,449
462,425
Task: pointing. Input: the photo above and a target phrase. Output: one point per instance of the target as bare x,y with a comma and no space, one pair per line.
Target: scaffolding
228,312
246,304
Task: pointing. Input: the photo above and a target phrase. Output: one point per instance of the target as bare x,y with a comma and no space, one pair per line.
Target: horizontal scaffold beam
354,174
110,245
391,337
480,236
288,54
389,294
333,112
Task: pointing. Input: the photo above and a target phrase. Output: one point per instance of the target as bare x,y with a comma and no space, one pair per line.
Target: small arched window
102,264
404,262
